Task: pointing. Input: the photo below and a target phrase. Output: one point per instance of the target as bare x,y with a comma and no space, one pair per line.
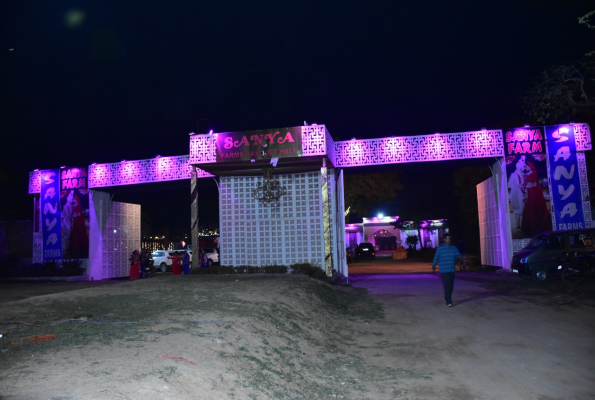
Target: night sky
90,81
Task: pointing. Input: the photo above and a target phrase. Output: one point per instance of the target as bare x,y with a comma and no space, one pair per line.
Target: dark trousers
448,280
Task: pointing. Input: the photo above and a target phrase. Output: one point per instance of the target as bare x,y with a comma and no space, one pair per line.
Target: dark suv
365,250
541,257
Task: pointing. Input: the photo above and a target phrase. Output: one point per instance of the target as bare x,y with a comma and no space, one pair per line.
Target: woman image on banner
75,237
536,216
517,194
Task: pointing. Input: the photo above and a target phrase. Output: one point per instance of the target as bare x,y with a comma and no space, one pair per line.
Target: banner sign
74,199
524,141
258,145
51,214
528,192
564,175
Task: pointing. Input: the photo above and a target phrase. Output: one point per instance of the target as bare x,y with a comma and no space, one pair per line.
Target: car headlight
524,260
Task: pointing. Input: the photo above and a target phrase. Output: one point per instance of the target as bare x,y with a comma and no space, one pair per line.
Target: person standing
175,263
446,255
186,262
144,264
134,265
204,260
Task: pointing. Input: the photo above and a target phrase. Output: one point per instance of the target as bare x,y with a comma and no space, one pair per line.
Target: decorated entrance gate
294,211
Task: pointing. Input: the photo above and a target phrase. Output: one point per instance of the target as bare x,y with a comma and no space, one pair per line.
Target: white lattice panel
121,236
313,140
489,225
203,149
437,147
582,170
37,248
35,182
582,137
518,244
284,233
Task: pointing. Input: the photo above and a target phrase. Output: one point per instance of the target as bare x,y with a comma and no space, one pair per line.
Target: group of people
180,260
139,264
527,201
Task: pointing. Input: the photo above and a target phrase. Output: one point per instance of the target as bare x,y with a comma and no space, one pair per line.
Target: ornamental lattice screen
489,225
120,235
284,233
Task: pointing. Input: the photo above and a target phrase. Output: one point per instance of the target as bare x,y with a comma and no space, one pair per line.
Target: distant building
383,234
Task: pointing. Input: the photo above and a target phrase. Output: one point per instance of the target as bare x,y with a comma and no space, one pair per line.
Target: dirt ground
289,336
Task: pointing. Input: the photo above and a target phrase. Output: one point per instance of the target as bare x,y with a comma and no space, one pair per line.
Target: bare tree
563,93
587,20
364,191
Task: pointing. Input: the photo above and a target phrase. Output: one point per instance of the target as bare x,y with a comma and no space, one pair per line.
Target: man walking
446,255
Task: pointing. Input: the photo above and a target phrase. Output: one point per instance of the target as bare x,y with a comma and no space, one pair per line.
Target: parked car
160,260
365,250
211,254
541,257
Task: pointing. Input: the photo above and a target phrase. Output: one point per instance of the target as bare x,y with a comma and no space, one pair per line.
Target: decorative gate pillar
326,218
194,219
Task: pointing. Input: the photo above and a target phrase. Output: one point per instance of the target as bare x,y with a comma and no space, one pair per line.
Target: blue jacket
446,256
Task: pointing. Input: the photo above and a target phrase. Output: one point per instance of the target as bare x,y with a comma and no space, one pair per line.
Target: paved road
505,338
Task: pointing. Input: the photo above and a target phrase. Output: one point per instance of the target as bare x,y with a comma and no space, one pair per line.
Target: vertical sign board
526,172
74,200
51,219
564,175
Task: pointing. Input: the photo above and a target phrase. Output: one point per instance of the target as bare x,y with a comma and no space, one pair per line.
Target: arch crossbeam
158,169
404,149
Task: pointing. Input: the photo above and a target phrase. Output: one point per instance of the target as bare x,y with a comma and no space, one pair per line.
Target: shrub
304,268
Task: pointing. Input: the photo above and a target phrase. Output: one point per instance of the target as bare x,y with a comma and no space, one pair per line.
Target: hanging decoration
269,189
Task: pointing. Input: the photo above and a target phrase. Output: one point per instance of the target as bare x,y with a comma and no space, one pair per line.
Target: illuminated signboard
256,145
566,187
528,140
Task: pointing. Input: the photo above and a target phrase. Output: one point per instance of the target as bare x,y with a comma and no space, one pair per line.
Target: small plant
412,241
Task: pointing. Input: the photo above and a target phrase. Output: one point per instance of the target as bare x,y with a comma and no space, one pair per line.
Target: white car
211,253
